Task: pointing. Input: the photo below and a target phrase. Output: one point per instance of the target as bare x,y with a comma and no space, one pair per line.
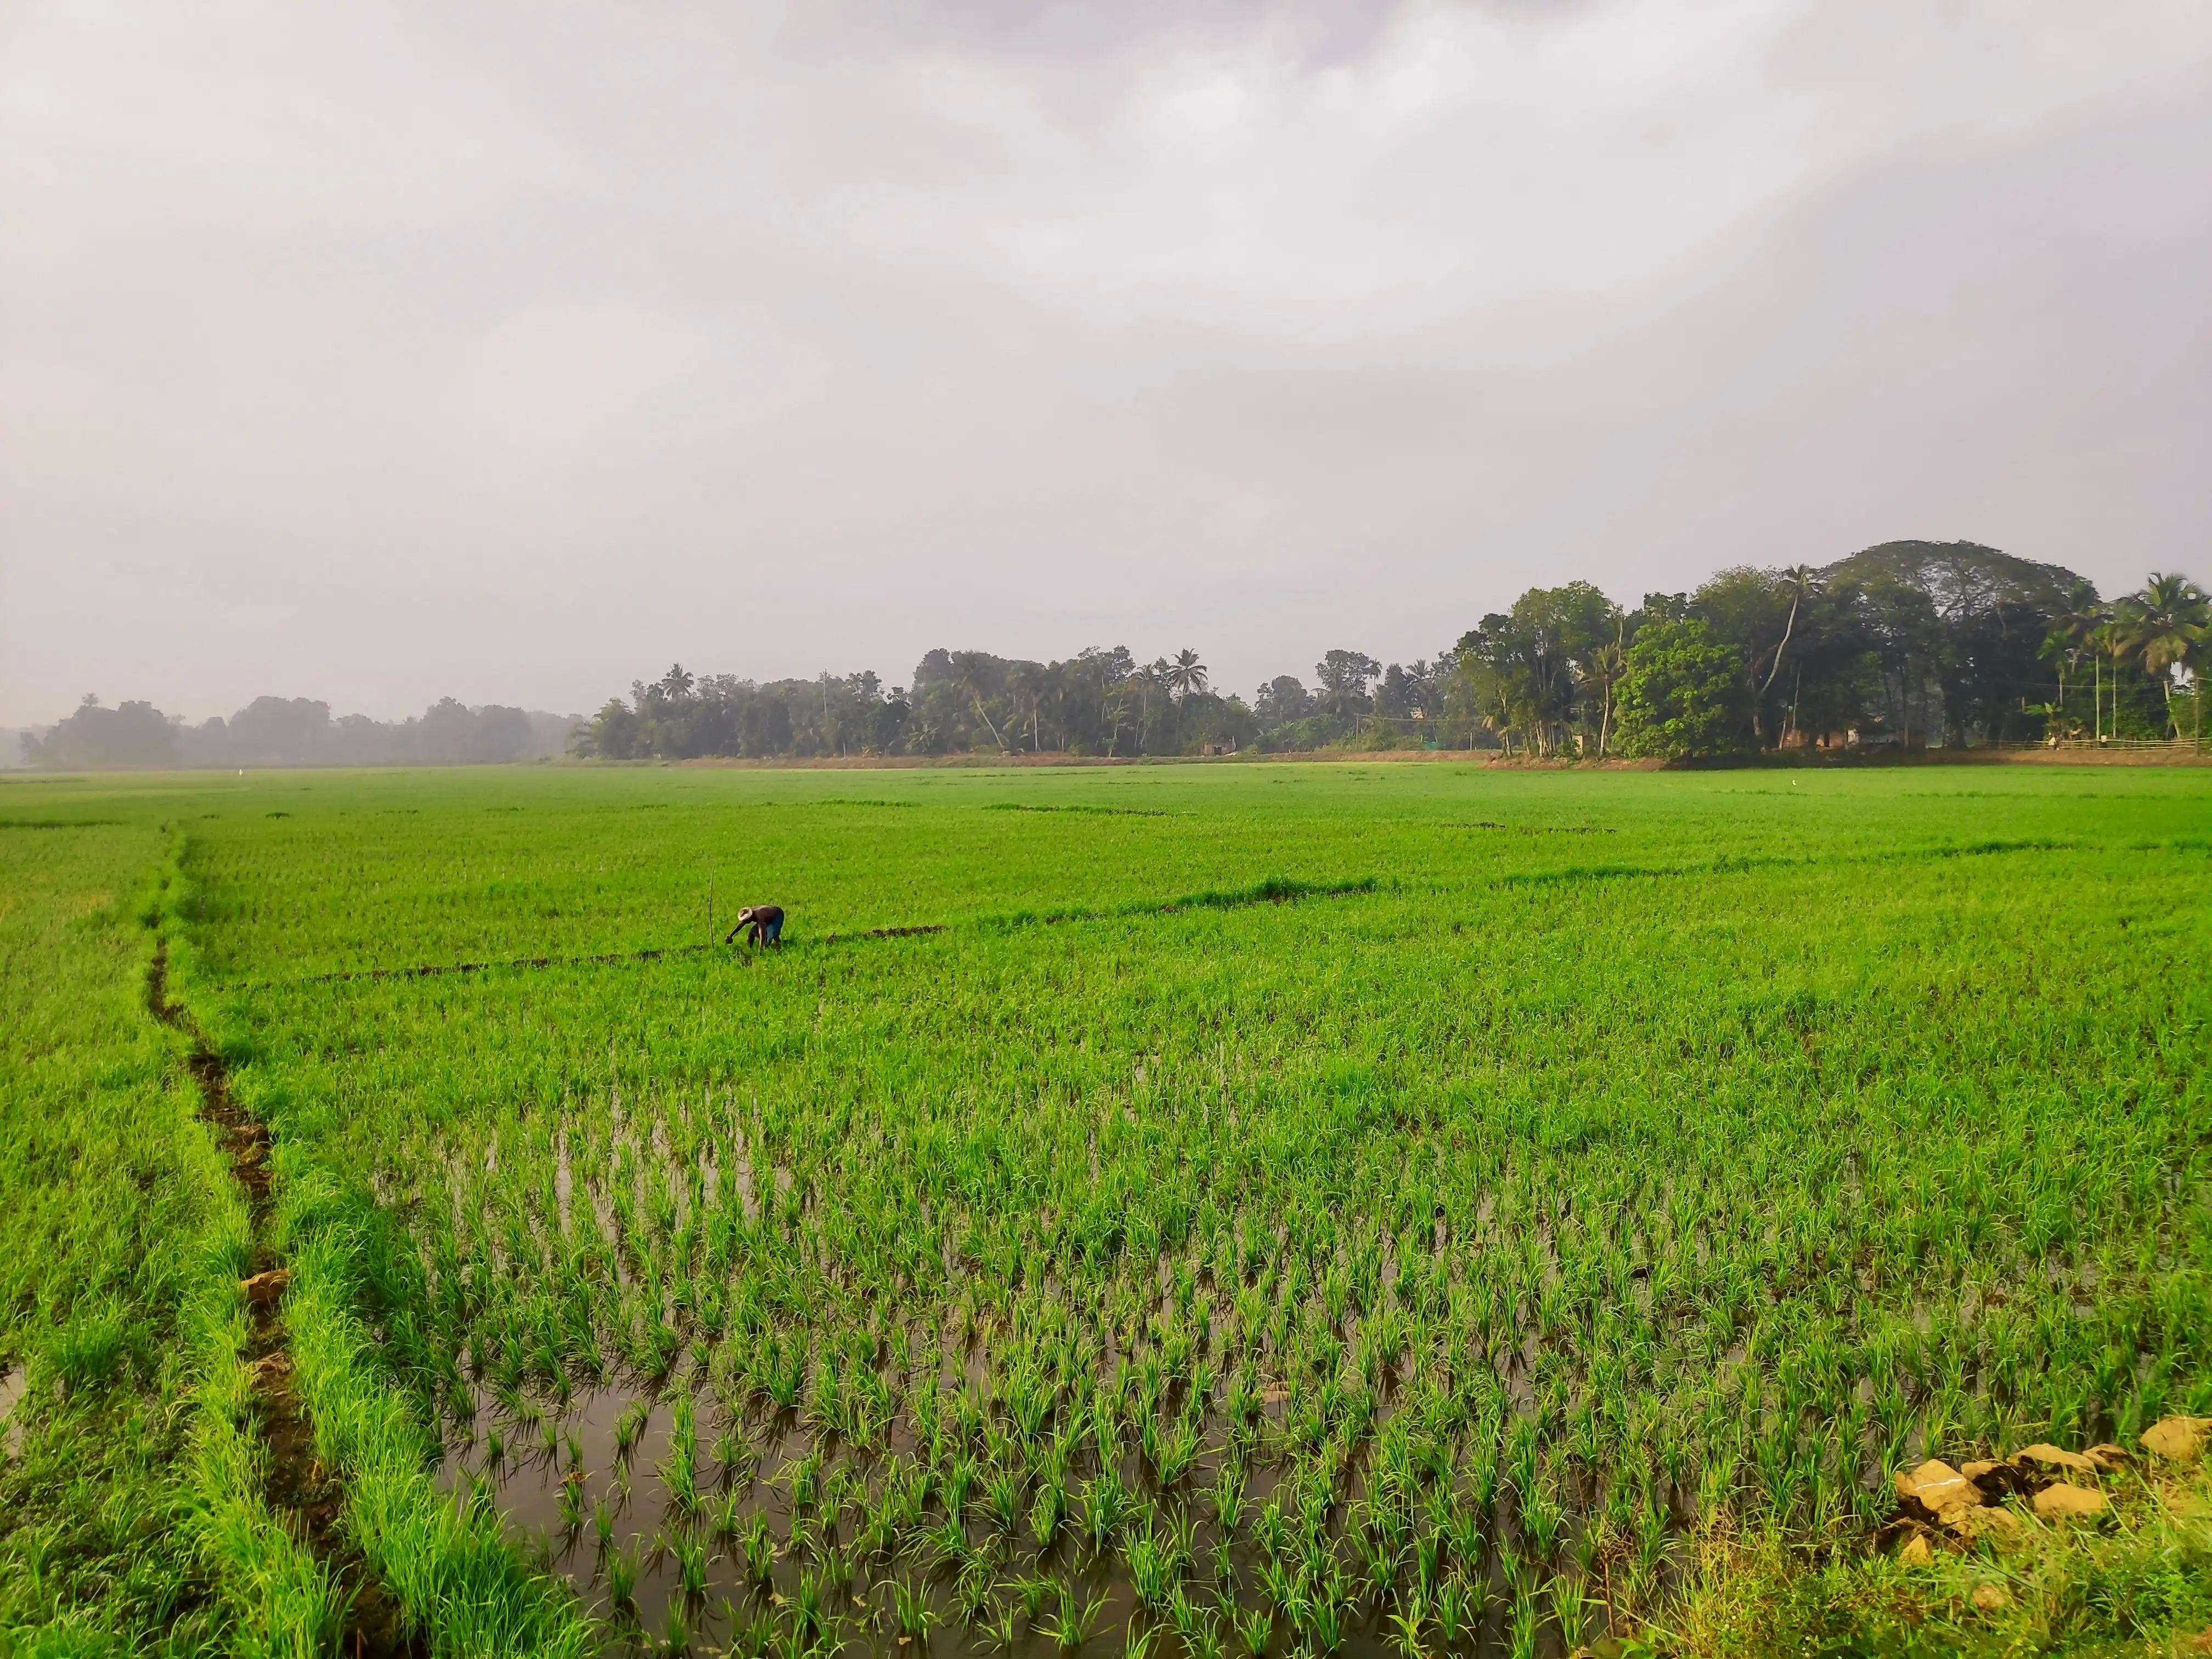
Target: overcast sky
378,352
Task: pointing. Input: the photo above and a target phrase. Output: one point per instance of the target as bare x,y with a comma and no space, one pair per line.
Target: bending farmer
761,924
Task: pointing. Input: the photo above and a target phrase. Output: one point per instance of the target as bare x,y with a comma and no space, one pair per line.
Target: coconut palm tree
2065,644
2166,625
1027,682
1603,668
2112,640
1186,675
1799,579
968,669
1116,710
2073,637
1147,683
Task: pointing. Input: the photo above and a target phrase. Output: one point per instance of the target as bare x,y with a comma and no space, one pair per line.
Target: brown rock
1975,1470
2061,1502
264,1288
2180,1439
1939,1488
2108,1457
1999,1526
2056,1457
1990,1597
1916,1553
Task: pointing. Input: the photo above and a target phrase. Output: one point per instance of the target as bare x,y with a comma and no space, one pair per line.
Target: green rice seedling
1255,1630
1542,1519
629,1425
679,1471
1002,1501
1524,1622
1461,1603
760,1551
959,1481
1048,1509
1031,1593
1270,1529
1572,1607
1524,1454
1379,1562
1105,1508
1073,1617
1328,1609
690,1565
804,1540
975,1593
1152,1570
729,1524
1651,1533
1183,1612
945,1544
1589,1544
1002,1628
1176,1450
622,1580
751,1630
804,1480
912,1616
734,1454
1428,1560
878,1533
809,1603
1408,1625
1178,1534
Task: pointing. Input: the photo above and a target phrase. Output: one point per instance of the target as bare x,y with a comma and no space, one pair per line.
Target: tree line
1906,645
294,731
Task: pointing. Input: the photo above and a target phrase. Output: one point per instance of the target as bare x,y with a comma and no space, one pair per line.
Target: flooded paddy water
769,1539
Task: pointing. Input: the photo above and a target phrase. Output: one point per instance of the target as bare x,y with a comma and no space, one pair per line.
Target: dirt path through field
300,1490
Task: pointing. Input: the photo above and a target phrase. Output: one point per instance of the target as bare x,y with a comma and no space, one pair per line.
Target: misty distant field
1274,1208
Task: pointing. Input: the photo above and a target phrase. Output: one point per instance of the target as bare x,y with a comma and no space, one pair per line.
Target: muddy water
558,1498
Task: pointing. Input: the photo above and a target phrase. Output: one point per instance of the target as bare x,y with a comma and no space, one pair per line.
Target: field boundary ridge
266,1509
1271,890
415,1574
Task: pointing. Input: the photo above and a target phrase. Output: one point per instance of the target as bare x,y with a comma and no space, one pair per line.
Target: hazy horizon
374,353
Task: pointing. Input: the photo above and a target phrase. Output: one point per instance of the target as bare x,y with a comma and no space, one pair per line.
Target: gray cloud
378,351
